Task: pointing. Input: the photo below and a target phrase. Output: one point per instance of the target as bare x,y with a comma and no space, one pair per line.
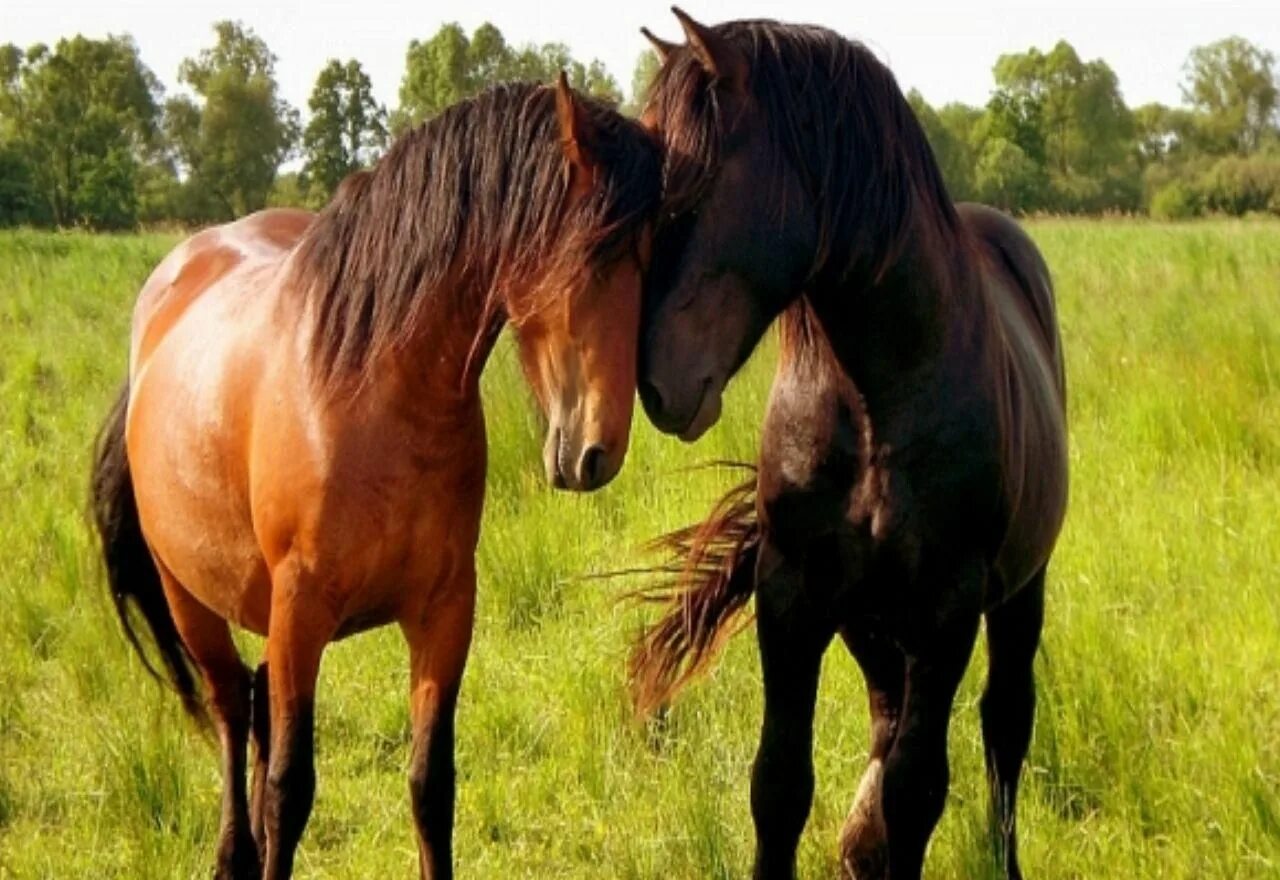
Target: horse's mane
836,114
477,198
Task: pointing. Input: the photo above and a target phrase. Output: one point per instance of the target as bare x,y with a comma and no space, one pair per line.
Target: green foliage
1231,83
289,191
449,67
1176,201
1007,177
951,147
1163,134
84,140
1057,136
1068,116
647,66
1017,119
20,201
346,131
231,144
75,123
1155,752
1242,185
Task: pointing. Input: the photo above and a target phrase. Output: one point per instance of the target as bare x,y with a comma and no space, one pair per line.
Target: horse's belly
188,432
1038,495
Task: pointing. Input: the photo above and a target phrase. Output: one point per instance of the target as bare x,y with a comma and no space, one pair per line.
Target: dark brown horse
913,473
300,449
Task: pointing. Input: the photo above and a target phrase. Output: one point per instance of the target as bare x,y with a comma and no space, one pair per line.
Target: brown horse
913,470
300,449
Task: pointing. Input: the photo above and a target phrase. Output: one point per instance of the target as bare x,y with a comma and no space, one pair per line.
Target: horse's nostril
591,467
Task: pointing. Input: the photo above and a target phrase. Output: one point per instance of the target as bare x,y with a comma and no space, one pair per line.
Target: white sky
942,49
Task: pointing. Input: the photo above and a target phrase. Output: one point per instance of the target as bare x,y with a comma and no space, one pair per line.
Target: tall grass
1157,750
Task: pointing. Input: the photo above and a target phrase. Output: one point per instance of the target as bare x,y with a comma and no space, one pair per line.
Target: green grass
1157,750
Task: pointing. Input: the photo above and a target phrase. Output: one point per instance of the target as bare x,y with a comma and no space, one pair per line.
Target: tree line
87,137
1056,135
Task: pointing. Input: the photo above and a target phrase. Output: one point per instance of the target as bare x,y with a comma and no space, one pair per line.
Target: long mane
835,113
475,200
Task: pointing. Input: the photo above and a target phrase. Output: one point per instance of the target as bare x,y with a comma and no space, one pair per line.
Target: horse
300,447
912,475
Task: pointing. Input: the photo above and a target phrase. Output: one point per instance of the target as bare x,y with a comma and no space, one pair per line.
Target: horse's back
201,261
1024,263
1031,389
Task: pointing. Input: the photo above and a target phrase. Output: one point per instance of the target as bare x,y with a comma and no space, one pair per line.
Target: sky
946,50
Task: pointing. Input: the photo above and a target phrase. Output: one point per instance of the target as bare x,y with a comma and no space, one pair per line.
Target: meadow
1157,746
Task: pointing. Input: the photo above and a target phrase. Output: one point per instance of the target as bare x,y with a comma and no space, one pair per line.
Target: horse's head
737,233
578,322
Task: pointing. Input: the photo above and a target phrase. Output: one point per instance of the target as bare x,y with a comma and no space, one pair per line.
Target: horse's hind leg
208,639
439,635
1008,708
863,844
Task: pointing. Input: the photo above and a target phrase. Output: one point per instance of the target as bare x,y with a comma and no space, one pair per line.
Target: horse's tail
131,572
712,577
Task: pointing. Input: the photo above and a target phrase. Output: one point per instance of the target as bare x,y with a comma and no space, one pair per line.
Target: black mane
835,113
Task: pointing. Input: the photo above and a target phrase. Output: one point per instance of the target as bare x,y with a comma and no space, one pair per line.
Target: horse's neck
889,335
441,364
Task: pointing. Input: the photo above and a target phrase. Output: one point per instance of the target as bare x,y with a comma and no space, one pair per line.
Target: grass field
1157,748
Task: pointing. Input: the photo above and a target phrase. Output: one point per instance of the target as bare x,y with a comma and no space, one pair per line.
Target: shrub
1239,185
1176,201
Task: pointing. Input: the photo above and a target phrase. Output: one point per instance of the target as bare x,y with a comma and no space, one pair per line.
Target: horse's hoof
238,860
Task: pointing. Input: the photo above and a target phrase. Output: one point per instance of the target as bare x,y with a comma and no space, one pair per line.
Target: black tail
710,579
131,572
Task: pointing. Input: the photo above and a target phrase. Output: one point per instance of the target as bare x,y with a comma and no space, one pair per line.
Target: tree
346,131
1067,117
647,66
1232,84
75,123
233,143
1017,119
1006,177
950,147
1163,132
437,74
450,67
544,63
1075,108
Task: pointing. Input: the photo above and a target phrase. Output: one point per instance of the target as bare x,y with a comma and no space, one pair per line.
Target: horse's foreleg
439,635
1008,708
300,628
916,775
863,844
260,732
208,639
792,634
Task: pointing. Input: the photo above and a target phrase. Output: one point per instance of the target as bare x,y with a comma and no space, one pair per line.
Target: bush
1240,185
1176,201
1119,189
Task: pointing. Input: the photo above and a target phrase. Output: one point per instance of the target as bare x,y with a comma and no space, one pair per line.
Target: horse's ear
577,133
661,46
718,57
